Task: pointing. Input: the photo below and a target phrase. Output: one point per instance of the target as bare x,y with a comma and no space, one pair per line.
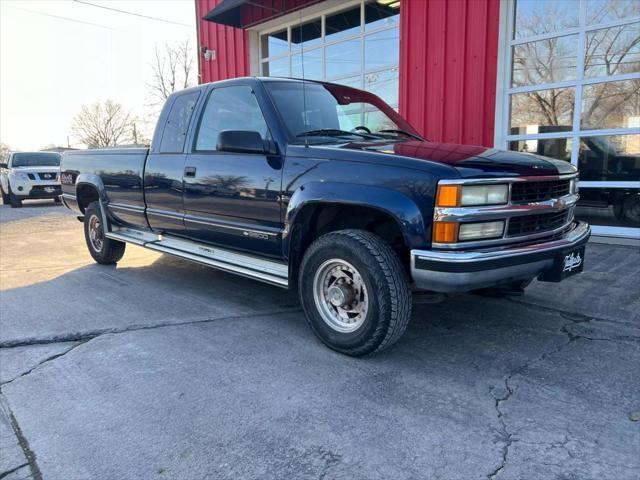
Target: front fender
399,206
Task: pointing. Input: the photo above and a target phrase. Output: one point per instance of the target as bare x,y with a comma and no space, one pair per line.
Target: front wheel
103,250
354,292
14,200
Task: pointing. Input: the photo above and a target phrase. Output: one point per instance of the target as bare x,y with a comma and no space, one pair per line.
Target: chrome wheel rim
340,295
95,233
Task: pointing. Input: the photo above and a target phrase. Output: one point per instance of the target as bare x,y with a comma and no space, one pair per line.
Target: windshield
333,111
39,159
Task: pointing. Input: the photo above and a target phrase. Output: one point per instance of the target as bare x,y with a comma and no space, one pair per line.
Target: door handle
189,171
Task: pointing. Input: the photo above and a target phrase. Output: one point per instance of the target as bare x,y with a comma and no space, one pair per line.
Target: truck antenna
304,93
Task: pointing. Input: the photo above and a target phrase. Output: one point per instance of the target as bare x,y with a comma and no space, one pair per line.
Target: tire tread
394,275
112,250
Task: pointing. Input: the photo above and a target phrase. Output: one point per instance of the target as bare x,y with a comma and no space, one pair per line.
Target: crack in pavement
42,362
88,335
82,339
565,313
505,435
22,441
9,472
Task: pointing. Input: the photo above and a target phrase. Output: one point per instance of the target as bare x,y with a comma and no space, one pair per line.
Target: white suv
30,175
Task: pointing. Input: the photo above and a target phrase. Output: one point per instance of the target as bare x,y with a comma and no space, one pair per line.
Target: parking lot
159,368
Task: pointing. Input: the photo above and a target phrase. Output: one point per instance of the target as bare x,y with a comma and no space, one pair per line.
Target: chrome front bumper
461,271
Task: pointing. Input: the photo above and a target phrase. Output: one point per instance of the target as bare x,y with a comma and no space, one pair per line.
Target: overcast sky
56,55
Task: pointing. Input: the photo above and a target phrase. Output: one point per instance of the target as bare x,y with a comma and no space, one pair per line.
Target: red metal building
520,75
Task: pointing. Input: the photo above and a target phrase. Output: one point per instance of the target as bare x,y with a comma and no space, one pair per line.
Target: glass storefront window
545,61
276,68
536,17
358,46
612,207
559,148
342,24
592,49
613,158
542,111
355,82
312,65
382,49
306,35
344,58
383,84
600,11
612,51
275,44
610,105
381,14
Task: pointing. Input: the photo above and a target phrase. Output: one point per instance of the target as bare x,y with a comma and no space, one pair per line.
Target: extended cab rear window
177,125
35,160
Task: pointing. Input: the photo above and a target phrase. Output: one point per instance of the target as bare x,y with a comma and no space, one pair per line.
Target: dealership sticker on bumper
565,264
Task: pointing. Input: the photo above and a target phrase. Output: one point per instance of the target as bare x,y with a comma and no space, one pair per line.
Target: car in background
30,175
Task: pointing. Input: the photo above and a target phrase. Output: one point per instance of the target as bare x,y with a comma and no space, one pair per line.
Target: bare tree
4,151
172,70
103,125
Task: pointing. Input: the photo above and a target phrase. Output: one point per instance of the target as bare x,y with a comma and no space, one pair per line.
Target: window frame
314,12
165,119
202,111
504,90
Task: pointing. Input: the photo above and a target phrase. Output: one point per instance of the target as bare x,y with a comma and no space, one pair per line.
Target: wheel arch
89,188
320,208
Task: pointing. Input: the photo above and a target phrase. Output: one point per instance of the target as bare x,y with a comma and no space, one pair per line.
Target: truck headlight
480,231
472,195
20,176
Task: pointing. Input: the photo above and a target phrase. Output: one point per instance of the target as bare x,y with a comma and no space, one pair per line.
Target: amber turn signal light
448,196
445,232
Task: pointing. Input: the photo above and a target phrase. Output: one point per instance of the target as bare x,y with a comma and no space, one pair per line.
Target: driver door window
229,108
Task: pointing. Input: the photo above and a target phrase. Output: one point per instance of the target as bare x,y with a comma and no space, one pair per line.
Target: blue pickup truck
325,188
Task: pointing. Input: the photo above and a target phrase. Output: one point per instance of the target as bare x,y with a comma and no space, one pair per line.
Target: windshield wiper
403,132
331,132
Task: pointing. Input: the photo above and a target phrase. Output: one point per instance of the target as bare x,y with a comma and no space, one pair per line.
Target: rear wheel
354,292
103,250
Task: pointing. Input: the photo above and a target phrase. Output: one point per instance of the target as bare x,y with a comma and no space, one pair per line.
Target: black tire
57,199
631,208
5,197
13,200
103,250
387,291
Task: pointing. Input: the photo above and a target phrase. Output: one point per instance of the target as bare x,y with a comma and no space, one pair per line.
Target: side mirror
240,141
3,165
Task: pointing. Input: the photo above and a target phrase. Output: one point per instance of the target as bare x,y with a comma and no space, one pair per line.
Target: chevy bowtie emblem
559,204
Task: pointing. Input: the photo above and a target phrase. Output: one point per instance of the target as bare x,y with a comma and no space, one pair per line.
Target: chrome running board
260,269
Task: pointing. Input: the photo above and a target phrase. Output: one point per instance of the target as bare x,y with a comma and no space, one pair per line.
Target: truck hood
468,160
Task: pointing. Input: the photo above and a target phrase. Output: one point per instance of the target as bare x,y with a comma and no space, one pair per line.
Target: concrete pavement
158,368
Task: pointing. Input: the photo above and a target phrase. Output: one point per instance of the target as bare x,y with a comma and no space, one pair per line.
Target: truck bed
121,171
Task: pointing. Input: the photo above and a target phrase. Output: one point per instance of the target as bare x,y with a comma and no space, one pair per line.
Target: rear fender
94,181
